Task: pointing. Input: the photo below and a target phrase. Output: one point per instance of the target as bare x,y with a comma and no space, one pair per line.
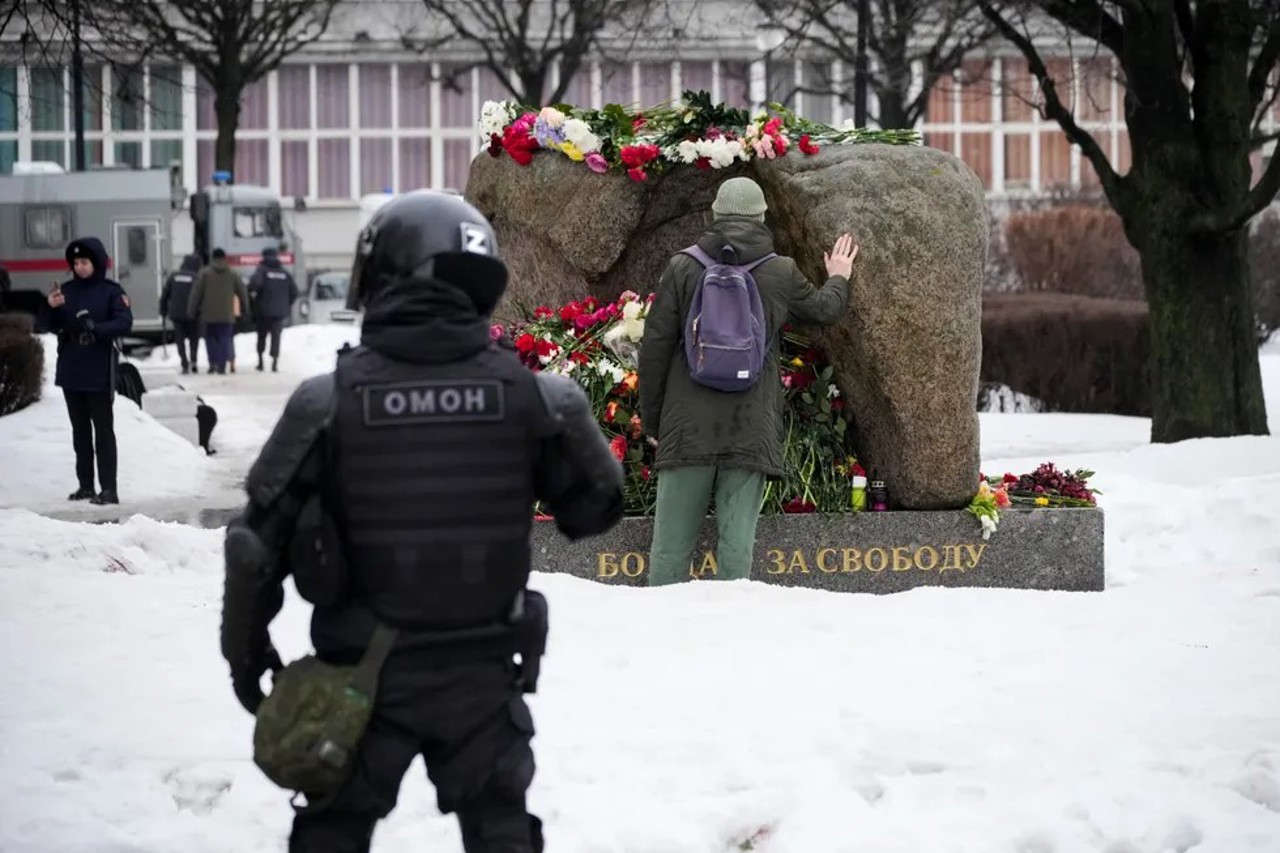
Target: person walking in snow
724,442
175,303
89,313
213,301
273,292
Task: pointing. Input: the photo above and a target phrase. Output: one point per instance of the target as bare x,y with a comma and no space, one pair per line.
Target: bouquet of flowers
1045,487
692,131
596,344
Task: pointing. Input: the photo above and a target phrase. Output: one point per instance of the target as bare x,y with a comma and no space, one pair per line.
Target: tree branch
1086,17
1264,63
1112,184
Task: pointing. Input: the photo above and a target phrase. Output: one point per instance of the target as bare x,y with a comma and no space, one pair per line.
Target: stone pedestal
1044,549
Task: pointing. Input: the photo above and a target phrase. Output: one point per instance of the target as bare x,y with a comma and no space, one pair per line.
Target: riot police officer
412,470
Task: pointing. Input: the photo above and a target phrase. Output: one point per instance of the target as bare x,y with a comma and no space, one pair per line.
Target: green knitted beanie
740,197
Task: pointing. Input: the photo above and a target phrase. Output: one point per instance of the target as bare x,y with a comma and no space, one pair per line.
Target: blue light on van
222,177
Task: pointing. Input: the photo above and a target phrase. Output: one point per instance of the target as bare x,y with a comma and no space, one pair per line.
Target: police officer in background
428,447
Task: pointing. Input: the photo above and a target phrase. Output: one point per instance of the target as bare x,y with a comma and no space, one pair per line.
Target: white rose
494,116
688,151
552,116
579,133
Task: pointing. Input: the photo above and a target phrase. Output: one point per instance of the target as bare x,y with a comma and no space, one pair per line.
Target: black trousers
93,429
186,335
272,328
472,728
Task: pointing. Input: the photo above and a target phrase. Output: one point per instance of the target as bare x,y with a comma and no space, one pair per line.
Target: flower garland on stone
692,131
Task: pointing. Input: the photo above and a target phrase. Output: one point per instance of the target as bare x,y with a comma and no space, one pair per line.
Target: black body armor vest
435,484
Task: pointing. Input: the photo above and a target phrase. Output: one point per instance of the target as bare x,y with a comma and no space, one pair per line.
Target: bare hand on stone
839,260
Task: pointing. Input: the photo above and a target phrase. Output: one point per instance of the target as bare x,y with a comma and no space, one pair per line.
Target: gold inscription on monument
900,558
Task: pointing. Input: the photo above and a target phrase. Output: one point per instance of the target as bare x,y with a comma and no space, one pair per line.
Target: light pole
77,85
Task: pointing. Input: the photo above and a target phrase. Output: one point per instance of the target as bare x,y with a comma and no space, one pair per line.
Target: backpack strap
695,252
760,260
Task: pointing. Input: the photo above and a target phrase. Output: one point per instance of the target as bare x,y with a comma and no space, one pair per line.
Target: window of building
165,151
375,96
257,222
293,91
616,82
48,227
8,155
127,99
129,153
696,76
166,97
333,103
48,100
818,100
655,83
295,168
8,100
334,158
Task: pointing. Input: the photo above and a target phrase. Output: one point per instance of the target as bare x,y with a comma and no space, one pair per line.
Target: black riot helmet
427,234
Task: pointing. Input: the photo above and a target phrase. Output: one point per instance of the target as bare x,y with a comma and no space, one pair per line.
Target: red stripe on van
39,265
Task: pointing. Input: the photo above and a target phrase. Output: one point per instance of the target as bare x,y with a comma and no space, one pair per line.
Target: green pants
684,495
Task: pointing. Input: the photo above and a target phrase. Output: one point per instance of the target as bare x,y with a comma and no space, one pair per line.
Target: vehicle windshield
257,222
330,285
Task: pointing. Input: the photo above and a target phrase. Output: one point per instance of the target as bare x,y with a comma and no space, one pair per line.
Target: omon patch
433,401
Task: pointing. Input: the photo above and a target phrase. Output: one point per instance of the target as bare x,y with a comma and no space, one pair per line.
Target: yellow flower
797,362
1042,501
572,152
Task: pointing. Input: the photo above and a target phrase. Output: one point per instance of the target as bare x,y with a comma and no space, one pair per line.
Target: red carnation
703,163
526,343
637,174
619,447
495,145
807,146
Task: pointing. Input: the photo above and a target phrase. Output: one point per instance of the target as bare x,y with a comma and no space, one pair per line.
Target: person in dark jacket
89,313
715,442
213,301
175,301
426,449
272,291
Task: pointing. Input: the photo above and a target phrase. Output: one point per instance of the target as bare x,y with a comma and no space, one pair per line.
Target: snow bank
37,463
305,350
717,717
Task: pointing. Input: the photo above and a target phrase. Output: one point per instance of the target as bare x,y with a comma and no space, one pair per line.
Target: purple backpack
724,337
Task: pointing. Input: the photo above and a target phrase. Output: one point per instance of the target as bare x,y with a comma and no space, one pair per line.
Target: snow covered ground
732,716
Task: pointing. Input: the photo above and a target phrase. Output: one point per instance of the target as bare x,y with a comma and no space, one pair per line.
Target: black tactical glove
246,680
86,327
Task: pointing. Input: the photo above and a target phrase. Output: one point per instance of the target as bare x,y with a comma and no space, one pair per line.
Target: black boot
186,368
106,496
259,364
275,365
82,494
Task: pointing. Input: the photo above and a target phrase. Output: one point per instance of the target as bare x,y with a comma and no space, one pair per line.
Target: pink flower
764,148
496,332
596,163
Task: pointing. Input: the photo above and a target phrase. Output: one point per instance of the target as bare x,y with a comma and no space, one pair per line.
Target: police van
43,208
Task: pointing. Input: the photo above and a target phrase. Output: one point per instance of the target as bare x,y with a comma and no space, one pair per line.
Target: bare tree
936,35
69,34
531,38
1196,77
231,43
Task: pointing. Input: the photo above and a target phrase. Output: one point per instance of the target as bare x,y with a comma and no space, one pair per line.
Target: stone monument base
878,552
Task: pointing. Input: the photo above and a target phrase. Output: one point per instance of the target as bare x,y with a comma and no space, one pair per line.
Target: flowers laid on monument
1046,487
691,131
596,343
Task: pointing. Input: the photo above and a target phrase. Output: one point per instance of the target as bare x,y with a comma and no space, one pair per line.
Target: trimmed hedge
1075,353
1076,248
21,363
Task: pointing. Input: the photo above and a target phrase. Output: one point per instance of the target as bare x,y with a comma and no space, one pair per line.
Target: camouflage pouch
310,726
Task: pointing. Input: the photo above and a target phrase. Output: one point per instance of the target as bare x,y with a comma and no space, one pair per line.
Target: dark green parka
696,425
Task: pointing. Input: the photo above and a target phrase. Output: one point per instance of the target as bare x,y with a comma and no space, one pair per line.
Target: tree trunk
226,107
894,113
1204,374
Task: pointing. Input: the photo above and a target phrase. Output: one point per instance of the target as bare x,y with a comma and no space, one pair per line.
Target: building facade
350,115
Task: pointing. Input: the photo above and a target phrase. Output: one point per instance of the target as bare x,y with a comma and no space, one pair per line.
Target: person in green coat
213,303
713,443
